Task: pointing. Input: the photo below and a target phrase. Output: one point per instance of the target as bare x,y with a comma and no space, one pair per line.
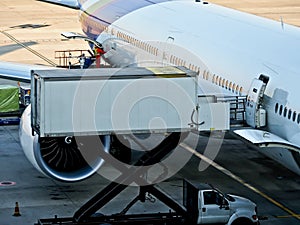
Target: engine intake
61,158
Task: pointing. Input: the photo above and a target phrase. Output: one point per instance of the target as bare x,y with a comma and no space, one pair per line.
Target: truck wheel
242,221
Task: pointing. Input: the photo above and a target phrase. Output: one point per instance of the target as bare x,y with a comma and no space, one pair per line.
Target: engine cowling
59,158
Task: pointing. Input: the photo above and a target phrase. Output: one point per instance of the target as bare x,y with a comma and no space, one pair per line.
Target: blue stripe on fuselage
95,17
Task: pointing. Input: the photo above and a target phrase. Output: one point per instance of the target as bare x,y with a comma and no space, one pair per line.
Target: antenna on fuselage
282,23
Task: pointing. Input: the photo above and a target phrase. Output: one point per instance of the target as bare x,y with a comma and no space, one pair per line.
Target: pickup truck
207,205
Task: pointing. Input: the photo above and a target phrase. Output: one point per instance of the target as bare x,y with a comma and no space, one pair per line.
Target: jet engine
58,157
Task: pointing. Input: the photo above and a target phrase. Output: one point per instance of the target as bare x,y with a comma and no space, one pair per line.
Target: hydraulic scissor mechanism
129,175
135,174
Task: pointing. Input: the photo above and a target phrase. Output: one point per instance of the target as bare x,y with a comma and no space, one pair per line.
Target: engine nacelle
58,158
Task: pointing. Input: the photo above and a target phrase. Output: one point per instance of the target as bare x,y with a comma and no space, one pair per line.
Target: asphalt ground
237,169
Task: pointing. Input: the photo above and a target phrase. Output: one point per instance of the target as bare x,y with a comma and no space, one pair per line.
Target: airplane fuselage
227,48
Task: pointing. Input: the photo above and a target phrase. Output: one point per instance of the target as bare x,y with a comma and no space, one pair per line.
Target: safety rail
237,109
70,58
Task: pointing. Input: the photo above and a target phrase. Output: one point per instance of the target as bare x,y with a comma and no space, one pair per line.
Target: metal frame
87,213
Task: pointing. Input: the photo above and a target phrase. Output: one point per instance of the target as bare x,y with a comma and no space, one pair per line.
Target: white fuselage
228,49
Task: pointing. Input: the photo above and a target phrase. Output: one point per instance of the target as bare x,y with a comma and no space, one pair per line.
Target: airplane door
255,114
211,212
167,50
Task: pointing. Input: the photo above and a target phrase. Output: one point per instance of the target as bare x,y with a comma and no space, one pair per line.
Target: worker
82,61
70,57
98,53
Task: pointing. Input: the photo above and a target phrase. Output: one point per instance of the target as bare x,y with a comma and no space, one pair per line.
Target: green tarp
9,98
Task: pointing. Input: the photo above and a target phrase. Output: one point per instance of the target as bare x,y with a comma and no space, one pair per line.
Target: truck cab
207,205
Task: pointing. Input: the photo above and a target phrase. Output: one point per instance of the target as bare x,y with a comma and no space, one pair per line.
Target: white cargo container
113,100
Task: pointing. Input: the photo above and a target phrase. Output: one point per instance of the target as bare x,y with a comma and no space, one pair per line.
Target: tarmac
237,168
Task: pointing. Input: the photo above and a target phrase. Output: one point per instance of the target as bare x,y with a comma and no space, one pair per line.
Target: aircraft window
213,78
230,86
220,81
241,90
237,88
223,82
233,87
280,109
226,84
290,114
276,107
294,115
199,70
298,118
285,112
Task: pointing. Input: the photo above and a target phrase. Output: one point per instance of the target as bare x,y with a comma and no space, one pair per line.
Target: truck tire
242,221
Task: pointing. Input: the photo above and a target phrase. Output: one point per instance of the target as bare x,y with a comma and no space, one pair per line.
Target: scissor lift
172,94
87,214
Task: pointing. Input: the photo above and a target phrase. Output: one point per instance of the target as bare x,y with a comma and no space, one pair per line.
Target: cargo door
36,96
255,113
167,50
